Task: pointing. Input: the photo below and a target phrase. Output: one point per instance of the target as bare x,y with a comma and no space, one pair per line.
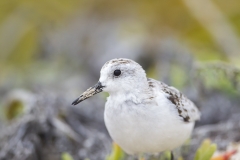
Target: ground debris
48,129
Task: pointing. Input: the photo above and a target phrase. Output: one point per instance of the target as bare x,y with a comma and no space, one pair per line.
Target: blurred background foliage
57,47
25,28
24,25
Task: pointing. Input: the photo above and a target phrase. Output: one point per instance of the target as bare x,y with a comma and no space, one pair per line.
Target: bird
142,115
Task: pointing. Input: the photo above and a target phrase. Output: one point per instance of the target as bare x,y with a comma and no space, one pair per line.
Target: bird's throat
135,96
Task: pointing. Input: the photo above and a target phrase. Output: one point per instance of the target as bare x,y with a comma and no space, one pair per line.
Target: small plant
117,153
66,156
205,151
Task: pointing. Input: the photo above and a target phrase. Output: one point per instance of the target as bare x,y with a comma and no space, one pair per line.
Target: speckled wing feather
186,108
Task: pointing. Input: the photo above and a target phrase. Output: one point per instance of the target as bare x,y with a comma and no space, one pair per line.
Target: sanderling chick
142,115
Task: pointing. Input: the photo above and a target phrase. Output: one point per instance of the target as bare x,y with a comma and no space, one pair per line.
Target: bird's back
185,107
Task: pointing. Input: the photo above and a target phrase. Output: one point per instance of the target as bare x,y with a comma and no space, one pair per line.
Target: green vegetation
14,109
205,151
66,156
220,76
117,153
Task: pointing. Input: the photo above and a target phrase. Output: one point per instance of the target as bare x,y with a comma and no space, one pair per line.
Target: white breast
146,128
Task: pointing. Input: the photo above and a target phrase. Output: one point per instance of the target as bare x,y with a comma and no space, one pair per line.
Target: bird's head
117,76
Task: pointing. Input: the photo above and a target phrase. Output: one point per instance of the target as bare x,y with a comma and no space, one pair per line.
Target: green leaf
66,156
209,152
117,153
205,151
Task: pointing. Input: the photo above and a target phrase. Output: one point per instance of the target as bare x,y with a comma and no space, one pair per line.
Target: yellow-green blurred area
24,24
52,50
33,34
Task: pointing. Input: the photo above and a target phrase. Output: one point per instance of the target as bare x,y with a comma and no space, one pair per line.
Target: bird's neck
134,95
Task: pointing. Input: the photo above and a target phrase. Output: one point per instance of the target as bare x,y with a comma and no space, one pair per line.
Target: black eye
117,72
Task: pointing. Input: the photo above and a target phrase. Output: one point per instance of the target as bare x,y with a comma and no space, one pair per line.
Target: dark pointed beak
97,88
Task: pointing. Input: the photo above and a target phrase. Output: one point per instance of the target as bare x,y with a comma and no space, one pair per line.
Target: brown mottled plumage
181,102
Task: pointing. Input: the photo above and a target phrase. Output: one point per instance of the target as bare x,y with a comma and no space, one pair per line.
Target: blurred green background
31,33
